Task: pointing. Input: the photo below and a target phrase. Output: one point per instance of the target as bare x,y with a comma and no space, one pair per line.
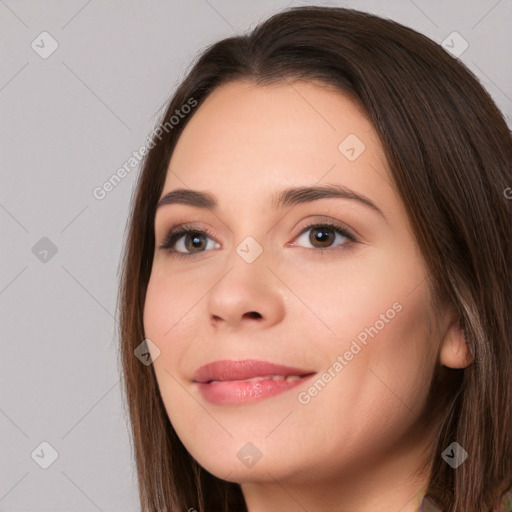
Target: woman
318,268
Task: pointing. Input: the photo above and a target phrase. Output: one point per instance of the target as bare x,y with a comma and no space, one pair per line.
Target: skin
357,444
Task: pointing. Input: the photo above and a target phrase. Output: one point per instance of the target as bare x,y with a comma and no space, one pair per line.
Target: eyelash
174,235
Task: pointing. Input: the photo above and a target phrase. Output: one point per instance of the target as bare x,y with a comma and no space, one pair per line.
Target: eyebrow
281,199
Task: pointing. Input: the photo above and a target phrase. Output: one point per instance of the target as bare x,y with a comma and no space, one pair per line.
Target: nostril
253,314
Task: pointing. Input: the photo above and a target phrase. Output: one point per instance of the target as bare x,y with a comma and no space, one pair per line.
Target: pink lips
225,382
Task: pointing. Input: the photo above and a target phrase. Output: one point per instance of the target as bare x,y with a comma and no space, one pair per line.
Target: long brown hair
450,153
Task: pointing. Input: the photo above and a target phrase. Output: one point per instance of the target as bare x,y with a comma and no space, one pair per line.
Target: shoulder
504,503
427,504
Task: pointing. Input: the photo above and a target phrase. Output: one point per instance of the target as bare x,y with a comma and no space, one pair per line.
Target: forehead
247,138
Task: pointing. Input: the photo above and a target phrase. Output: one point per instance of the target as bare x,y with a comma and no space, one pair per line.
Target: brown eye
325,236
194,241
187,242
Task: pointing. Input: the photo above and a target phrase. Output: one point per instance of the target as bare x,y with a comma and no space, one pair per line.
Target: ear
454,350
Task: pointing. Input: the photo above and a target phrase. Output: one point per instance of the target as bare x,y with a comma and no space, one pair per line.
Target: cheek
167,306
382,388
162,325
169,323
173,315
406,361
397,355
155,309
379,326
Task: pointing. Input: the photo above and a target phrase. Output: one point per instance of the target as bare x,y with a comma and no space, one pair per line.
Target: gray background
68,122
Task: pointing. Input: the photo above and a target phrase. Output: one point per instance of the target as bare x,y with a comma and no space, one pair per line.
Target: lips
230,383
227,370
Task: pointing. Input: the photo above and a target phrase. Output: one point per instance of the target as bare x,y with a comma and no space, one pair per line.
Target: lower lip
235,392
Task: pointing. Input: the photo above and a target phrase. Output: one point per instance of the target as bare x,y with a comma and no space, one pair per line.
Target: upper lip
244,369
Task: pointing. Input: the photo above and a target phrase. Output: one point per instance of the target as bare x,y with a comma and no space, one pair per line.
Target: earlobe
454,351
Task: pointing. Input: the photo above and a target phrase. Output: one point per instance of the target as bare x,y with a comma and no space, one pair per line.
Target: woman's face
265,286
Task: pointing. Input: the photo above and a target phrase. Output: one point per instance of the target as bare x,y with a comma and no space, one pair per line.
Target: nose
247,294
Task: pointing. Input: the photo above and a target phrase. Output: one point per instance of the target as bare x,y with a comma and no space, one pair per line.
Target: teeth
290,378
